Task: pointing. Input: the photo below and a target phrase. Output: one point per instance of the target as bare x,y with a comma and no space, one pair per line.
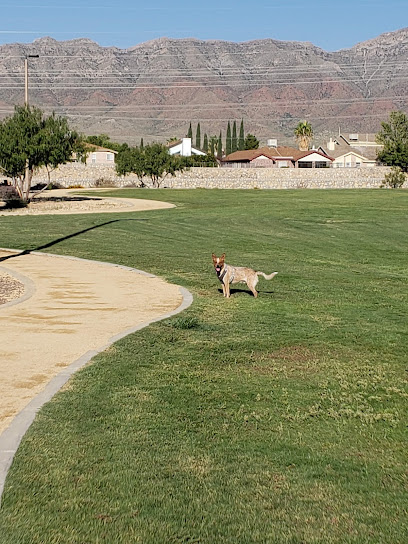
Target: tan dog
228,274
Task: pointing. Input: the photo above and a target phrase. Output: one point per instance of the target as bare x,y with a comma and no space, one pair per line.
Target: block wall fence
225,178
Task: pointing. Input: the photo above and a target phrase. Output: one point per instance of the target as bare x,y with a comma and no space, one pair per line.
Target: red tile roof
273,153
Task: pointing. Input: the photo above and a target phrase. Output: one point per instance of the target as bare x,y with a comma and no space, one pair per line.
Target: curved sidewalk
71,310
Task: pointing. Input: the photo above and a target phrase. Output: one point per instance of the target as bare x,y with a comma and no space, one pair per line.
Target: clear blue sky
329,24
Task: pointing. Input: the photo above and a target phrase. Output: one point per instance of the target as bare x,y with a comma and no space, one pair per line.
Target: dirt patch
10,288
289,359
65,201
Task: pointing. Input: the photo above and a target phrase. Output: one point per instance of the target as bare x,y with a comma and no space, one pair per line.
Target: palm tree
304,135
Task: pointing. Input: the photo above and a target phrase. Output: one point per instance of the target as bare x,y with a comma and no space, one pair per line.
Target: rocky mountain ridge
153,90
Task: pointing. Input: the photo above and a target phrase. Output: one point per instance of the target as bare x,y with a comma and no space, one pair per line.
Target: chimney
331,145
186,147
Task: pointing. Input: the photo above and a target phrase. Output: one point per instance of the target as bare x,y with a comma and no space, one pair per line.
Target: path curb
11,437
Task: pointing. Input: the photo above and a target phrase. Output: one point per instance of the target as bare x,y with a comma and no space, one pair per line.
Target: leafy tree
131,160
102,140
205,143
228,141
29,140
198,136
153,161
234,140
241,139
251,142
394,137
190,132
219,147
304,135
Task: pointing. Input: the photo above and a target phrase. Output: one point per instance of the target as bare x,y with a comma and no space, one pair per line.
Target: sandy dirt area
66,201
55,309
72,306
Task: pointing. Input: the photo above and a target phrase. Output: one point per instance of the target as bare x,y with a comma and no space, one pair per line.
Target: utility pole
27,166
26,76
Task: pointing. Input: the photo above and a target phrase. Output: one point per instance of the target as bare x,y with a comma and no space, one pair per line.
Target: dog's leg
252,284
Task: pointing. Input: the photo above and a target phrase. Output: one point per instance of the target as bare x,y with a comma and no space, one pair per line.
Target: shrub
102,182
394,179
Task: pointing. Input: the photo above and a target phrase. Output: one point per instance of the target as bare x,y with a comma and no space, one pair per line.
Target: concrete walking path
71,310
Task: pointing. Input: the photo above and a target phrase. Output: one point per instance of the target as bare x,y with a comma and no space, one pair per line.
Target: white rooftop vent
353,137
272,142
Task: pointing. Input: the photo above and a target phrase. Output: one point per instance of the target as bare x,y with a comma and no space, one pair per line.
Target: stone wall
226,178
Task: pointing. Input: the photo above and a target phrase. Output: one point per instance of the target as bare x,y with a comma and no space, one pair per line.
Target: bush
102,182
394,179
15,203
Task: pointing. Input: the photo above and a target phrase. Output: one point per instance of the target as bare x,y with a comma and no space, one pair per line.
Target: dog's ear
222,258
214,258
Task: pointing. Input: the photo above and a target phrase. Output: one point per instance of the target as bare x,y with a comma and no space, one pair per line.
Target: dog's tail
267,276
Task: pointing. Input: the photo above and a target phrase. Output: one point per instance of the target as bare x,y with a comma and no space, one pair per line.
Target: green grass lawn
280,419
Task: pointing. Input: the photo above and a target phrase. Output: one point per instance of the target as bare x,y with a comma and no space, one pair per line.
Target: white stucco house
184,148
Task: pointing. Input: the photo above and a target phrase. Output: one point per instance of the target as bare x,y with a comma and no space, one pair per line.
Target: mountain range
155,89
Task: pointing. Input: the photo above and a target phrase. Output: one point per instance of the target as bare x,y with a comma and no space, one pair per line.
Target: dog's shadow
245,292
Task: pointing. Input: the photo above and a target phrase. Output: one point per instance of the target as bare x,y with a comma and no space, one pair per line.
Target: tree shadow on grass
59,240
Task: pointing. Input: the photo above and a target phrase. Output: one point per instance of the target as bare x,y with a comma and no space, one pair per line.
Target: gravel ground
65,204
10,288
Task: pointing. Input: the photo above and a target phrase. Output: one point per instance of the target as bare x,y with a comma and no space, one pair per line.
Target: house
352,151
183,148
277,157
99,155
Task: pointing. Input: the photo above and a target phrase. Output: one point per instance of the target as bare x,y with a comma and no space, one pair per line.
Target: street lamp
26,76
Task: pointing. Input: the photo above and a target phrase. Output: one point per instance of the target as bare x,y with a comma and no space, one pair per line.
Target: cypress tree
219,147
213,141
198,136
234,141
141,143
228,148
190,132
241,140
205,144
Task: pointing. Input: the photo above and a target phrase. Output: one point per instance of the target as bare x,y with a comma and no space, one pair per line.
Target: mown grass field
280,419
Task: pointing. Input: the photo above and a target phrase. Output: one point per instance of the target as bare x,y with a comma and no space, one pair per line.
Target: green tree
153,161
219,147
102,140
131,160
190,132
234,140
228,141
394,138
241,139
251,142
205,143
304,135
141,143
198,136
29,140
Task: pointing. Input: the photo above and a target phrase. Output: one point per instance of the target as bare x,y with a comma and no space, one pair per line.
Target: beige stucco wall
226,178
